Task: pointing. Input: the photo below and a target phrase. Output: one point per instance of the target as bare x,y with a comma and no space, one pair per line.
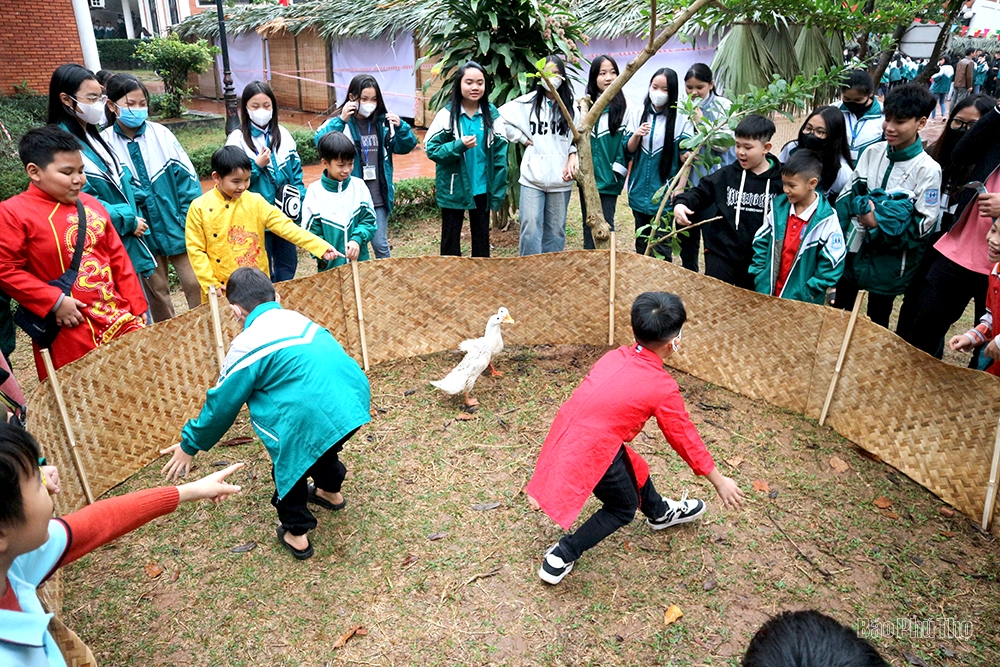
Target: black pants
641,220
691,243
327,472
728,271
936,302
879,305
479,227
282,257
608,204
618,493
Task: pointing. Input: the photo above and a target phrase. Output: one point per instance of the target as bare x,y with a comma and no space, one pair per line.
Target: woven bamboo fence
934,422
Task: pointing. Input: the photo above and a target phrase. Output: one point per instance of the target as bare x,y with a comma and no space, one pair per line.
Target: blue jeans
543,221
380,242
942,99
282,257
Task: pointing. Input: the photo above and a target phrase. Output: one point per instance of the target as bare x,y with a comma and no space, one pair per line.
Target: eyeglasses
91,99
820,132
959,124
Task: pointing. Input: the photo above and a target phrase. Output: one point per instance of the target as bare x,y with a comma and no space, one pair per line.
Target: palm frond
742,62
780,45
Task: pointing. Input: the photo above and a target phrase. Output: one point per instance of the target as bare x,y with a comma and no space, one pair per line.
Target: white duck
478,357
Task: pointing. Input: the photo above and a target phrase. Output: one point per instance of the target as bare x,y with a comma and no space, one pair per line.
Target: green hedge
415,200
18,115
119,54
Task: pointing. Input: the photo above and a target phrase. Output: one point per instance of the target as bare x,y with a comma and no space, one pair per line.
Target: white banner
389,59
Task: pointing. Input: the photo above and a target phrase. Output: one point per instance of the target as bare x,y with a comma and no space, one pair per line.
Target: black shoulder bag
43,330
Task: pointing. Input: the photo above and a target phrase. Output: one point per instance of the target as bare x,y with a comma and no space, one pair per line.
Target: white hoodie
544,161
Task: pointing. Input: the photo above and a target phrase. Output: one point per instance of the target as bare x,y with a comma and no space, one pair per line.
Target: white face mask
556,82
91,113
658,98
260,117
367,109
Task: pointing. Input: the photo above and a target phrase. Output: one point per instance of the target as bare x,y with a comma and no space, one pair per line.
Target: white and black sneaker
554,568
678,511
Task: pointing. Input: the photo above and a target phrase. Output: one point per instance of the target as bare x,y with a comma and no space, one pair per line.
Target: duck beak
509,319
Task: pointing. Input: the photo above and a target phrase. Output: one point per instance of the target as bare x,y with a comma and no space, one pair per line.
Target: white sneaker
553,568
678,511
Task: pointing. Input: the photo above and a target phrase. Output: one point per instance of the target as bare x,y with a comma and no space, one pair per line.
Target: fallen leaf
243,548
915,660
889,514
152,570
946,512
882,502
839,464
948,653
773,494
409,392
917,560
672,614
619,639
361,632
627,546
735,461
886,573
947,533
709,584
761,486
175,575
485,507
342,639
409,561
464,416
436,536
235,441
220,464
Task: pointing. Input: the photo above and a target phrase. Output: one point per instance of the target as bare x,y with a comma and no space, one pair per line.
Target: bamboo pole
361,314
220,346
991,488
611,296
54,381
843,354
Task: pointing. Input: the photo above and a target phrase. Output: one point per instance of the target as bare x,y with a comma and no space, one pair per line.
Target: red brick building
35,41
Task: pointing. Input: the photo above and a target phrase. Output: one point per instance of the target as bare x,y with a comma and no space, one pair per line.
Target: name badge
368,173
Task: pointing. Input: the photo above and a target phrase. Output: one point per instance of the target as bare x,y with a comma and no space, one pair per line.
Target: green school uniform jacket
303,391
819,262
165,183
393,140
644,180
338,212
284,168
451,176
608,150
883,259
979,77
865,131
111,184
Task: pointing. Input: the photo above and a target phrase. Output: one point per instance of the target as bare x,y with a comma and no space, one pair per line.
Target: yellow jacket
223,235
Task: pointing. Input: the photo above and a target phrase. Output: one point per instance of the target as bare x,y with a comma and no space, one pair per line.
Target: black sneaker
678,511
553,568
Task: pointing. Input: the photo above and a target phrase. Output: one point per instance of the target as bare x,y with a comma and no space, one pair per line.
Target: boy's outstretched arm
728,490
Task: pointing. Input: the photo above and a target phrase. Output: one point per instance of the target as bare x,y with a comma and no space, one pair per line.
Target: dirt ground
438,575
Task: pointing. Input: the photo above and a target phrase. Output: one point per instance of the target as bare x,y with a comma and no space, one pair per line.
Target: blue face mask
133,118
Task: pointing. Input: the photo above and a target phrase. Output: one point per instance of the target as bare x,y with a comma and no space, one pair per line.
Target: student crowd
854,203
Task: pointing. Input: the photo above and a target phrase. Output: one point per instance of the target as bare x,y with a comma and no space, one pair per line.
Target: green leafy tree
173,60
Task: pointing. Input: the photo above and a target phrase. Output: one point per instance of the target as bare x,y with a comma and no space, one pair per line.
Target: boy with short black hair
809,639
799,251
225,226
33,544
586,448
39,228
890,209
338,207
862,112
742,192
306,398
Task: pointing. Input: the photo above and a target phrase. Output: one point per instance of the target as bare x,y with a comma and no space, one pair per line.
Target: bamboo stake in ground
843,353
220,346
54,382
611,297
361,314
991,488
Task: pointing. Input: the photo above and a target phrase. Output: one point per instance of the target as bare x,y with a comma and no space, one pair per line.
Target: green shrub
119,54
18,114
304,143
201,158
415,199
173,60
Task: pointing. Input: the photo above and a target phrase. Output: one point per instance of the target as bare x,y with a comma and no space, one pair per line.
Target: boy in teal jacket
276,366
798,253
338,207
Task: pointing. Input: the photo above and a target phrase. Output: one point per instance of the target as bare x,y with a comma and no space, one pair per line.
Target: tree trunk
595,218
886,56
952,8
863,40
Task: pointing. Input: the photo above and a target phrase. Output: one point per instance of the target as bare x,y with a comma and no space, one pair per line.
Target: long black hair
354,88
701,72
616,108
455,101
565,92
835,148
953,177
67,79
670,117
256,88
120,85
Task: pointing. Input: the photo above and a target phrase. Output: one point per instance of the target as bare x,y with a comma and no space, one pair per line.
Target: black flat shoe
323,502
300,554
